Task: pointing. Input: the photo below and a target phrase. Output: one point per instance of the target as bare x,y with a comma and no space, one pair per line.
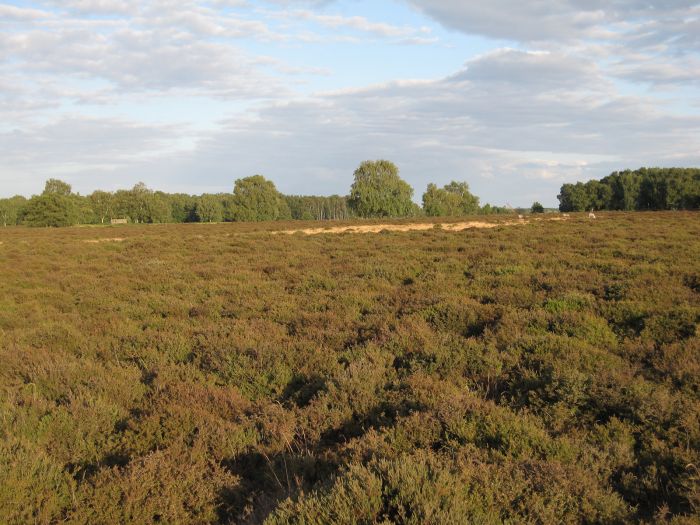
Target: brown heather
544,373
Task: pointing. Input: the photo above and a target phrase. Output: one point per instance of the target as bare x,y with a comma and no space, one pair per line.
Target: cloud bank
188,96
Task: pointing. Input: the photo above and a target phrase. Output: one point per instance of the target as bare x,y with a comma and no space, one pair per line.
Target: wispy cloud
189,93
358,23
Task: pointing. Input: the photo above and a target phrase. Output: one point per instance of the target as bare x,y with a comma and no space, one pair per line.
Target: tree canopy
57,187
102,203
257,199
378,191
643,189
452,200
50,210
209,208
317,208
536,208
11,210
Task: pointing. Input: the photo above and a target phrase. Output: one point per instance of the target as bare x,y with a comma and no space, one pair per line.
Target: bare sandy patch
551,219
98,241
376,228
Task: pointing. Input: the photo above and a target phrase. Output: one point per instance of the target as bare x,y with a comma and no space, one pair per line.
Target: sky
515,98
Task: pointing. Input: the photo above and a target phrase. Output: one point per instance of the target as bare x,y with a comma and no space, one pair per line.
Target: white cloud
512,138
515,121
652,41
553,20
11,13
87,152
358,23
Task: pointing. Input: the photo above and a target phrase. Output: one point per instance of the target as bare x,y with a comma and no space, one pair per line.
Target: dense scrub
545,373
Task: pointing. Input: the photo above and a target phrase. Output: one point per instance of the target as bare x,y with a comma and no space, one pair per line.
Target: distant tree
536,208
123,205
57,187
11,209
416,210
574,197
683,191
488,209
55,207
317,208
653,191
131,203
467,202
158,208
209,209
84,212
139,198
257,199
624,188
50,209
436,202
182,207
378,191
229,212
598,195
102,204
642,189
143,205
454,199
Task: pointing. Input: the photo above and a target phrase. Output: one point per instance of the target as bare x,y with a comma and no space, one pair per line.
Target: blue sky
515,98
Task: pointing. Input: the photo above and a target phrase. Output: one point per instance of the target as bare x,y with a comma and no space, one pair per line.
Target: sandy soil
376,228
97,241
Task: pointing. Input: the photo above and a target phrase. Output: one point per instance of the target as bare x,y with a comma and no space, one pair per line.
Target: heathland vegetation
536,370
547,372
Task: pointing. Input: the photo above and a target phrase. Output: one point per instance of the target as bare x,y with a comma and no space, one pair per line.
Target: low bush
545,373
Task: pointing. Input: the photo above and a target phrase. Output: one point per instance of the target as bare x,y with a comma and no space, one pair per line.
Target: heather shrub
33,487
545,373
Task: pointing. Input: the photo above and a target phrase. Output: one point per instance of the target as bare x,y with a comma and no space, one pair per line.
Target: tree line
377,192
643,189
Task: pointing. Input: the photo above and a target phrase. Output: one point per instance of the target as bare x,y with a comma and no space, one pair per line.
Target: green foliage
257,199
451,201
488,209
536,208
50,209
311,208
11,210
254,199
55,207
182,207
142,205
57,187
209,208
102,204
643,189
378,191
